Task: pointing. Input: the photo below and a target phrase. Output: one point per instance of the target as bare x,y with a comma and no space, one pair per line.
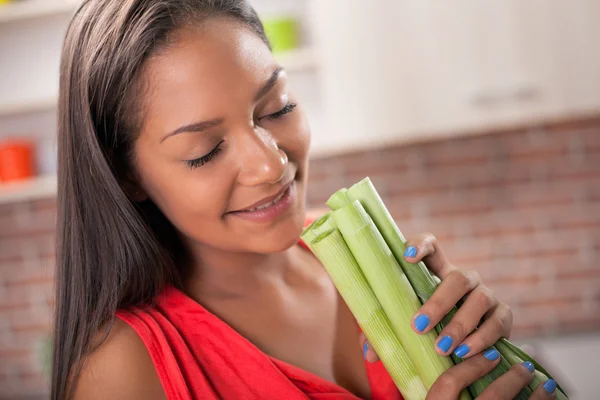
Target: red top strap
198,356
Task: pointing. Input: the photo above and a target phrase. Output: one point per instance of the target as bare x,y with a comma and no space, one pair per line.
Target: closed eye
199,162
285,110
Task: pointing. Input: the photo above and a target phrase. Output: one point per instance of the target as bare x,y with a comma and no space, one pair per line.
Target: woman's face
224,145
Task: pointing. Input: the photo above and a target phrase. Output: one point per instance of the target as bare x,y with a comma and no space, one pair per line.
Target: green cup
282,33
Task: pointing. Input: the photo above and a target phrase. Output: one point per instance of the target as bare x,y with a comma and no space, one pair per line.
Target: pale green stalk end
514,355
320,225
338,200
338,261
391,288
418,275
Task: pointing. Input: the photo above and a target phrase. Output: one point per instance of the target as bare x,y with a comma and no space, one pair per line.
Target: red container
17,160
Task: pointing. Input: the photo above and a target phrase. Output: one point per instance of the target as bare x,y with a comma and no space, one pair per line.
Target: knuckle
521,373
460,329
436,305
429,240
447,383
505,319
429,237
462,278
484,297
497,326
475,277
478,342
507,313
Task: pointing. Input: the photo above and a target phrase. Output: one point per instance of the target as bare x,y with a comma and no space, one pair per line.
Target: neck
219,273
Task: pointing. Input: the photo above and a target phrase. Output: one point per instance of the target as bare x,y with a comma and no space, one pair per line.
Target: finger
454,380
464,322
426,247
545,391
507,386
454,287
497,325
369,353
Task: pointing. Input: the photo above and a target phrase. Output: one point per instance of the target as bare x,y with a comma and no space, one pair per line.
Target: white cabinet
578,53
498,57
409,68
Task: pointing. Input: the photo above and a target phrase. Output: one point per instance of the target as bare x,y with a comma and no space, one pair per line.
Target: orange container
16,160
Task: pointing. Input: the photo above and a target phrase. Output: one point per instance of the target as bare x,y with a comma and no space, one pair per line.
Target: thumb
368,351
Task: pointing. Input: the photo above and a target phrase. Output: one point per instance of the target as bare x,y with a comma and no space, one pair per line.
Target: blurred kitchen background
478,120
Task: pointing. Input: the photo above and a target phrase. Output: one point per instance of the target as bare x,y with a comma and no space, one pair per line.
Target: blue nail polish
411,251
529,366
461,351
550,386
445,344
365,348
421,322
491,354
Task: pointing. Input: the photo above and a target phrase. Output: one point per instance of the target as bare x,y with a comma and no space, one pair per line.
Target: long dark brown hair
111,252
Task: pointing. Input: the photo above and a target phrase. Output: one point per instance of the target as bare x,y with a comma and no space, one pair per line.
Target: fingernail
445,344
550,386
461,351
411,251
421,322
491,354
529,366
365,348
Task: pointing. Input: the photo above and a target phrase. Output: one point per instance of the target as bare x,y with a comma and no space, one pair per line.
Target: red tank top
198,356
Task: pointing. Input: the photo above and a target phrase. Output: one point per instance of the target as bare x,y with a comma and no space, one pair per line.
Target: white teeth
269,204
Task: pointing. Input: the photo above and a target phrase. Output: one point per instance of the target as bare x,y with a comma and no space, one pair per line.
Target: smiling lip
266,200
270,207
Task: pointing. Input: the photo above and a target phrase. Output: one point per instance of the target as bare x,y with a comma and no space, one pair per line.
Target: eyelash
207,158
285,110
198,162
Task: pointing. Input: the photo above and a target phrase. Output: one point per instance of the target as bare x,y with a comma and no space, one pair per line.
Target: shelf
19,108
293,61
29,9
33,189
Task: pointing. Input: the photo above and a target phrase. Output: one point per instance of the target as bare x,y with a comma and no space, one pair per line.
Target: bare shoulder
120,368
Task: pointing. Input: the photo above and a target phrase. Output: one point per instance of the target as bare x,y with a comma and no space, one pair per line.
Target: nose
261,160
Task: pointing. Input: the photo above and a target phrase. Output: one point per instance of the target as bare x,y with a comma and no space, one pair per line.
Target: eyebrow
272,81
197,127
205,125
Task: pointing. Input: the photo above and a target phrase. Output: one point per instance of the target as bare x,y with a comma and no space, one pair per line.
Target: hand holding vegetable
412,323
460,336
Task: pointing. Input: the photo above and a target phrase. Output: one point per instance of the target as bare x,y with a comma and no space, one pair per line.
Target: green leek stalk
338,261
320,225
514,355
391,288
419,276
339,199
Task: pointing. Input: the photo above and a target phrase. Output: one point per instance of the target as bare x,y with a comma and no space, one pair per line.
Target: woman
182,177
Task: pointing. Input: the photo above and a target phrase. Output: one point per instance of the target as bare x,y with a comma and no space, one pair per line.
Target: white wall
29,58
574,362
419,69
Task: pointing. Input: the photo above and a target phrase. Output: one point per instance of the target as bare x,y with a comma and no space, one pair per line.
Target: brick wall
26,273
521,207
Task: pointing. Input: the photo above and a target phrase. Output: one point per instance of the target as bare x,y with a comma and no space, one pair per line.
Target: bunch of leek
362,250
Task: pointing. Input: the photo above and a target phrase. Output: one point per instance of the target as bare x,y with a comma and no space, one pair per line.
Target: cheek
295,138
192,200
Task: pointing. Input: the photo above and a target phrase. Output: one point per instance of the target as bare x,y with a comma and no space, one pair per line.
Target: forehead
216,61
